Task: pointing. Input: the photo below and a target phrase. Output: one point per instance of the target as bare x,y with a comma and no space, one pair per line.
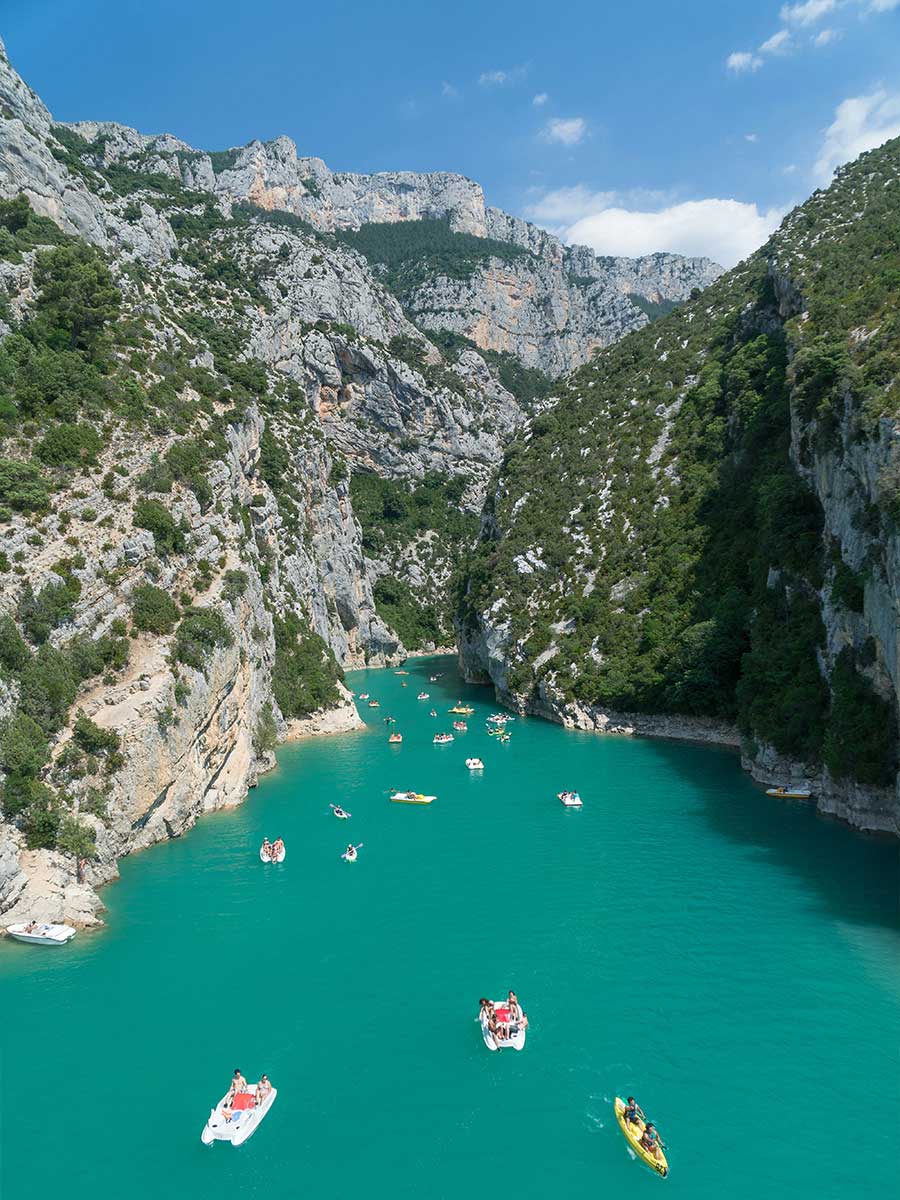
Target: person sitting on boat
633,1111
277,848
516,1016
650,1139
262,1089
266,848
238,1084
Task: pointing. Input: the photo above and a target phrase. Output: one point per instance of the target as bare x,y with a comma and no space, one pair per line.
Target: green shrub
305,673
234,585
23,746
76,838
153,610
67,445
265,733
91,738
168,537
14,654
22,487
861,740
47,688
415,623
848,588
201,631
77,298
42,819
53,605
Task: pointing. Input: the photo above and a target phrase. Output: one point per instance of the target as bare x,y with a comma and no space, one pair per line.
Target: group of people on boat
513,1018
649,1140
272,850
238,1087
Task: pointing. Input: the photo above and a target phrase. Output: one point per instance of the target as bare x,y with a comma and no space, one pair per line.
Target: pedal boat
516,1038
244,1121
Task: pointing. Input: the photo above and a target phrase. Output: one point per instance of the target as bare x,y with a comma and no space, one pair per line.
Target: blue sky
658,124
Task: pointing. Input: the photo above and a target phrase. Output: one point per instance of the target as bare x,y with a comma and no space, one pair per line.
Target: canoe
785,793
243,1124
411,798
633,1134
515,1041
265,858
44,934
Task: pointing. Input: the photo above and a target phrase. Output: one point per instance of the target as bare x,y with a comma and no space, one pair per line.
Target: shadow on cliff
854,876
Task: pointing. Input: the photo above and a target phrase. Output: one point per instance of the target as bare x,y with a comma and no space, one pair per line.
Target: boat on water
433,713
441,739
238,1121
411,798
41,933
351,854
464,710
374,704
340,813
789,793
569,799
269,854
474,764
435,678
401,672
500,734
460,726
499,718
633,1133
395,739
422,696
363,695
514,1030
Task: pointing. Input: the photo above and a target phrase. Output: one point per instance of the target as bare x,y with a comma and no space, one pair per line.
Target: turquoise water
682,937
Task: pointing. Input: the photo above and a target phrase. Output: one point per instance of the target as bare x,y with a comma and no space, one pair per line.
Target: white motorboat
422,696
363,695
515,1030
441,739
241,1122
474,764
40,933
411,798
789,793
569,799
268,857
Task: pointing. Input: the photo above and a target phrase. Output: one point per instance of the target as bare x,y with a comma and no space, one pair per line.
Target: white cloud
808,13
778,43
751,137
824,36
790,169
449,91
489,77
540,99
741,61
724,230
881,6
568,131
860,123
497,78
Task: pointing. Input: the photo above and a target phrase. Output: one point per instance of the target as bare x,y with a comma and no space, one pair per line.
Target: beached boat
441,739
789,793
241,1122
411,798
460,726
464,710
395,739
515,1032
569,799
422,696
267,857
41,933
633,1134
474,764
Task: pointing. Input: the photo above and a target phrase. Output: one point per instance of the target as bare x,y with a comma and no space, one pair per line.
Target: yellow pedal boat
633,1134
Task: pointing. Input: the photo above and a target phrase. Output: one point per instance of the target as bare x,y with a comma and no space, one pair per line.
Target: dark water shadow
854,876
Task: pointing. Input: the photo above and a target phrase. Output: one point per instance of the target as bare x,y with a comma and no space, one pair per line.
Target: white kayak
241,1124
474,764
41,934
515,1032
279,857
340,813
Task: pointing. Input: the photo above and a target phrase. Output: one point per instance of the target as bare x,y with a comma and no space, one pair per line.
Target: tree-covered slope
705,523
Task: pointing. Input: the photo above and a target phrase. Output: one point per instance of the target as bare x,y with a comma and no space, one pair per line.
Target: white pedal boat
474,764
516,1039
442,739
411,798
569,799
243,1123
279,858
41,934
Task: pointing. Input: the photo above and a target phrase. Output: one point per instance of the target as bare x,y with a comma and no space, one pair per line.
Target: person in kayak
338,811
633,1112
650,1139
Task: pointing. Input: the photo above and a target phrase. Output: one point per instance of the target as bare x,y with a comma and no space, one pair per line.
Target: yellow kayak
633,1134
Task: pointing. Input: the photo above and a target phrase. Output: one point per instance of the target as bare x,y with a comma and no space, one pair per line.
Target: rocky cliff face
700,537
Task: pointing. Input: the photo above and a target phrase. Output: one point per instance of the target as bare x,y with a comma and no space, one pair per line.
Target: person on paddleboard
633,1111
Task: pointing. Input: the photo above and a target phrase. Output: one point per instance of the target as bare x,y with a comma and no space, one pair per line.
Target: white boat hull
43,935
570,801
516,1041
416,798
278,859
242,1125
